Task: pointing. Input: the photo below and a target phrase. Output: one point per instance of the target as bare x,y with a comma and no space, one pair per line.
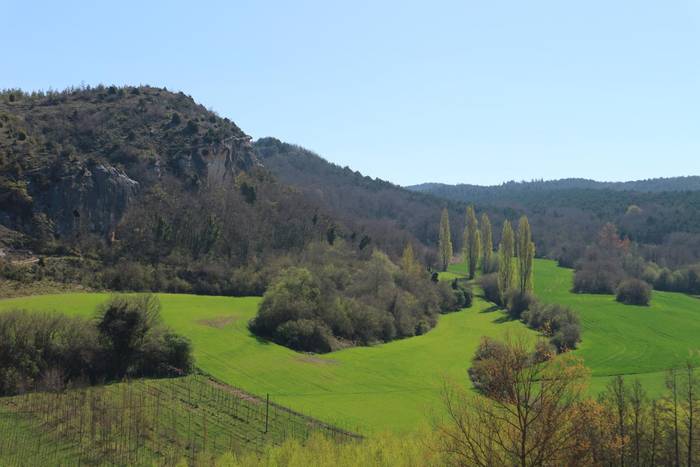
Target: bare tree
527,418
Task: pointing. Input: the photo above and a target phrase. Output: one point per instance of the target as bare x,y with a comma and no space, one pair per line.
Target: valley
396,386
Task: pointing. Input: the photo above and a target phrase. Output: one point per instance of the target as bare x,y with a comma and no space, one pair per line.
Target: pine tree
472,237
526,255
445,241
505,261
486,244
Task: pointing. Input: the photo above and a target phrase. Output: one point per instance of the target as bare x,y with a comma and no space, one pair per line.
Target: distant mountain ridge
650,185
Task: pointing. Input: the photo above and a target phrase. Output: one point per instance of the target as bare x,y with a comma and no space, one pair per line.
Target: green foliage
48,351
472,248
557,322
526,255
489,284
518,302
335,299
445,240
36,348
487,244
506,268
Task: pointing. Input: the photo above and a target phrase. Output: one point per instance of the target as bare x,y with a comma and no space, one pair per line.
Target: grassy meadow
395,386
367,389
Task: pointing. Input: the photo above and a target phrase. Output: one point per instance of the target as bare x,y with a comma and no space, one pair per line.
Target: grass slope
367,389
394,386
622,339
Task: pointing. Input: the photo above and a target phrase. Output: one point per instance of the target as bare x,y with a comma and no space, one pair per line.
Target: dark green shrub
489,284
558,322
518,302
307,335
634,292
134,340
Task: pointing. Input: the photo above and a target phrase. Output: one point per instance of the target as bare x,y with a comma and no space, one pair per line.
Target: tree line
507,275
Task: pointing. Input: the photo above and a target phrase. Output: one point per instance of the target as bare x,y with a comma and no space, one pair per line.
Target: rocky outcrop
93,199
81,198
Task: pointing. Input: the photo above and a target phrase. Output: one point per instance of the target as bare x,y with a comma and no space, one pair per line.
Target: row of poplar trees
515,255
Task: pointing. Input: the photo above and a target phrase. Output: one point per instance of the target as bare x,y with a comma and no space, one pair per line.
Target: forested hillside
387,212
661,215
140,188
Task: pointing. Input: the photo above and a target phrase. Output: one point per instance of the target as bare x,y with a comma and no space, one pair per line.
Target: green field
366,389
395,385
642,341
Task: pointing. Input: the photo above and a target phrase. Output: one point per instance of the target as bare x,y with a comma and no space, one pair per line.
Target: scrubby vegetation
633,292
538,414
333,299
126,338
557,322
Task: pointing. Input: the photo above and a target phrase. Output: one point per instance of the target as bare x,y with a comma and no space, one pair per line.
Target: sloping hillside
661,214
389,213
142,188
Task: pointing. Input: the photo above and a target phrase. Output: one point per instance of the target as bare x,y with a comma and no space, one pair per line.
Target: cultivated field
146,422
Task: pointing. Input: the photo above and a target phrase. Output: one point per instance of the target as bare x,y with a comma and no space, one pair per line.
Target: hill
661,215
652,185
141,188
387,212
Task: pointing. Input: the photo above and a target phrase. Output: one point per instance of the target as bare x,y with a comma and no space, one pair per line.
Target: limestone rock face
89,199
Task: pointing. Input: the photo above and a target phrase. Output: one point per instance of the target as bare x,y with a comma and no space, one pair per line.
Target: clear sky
454,92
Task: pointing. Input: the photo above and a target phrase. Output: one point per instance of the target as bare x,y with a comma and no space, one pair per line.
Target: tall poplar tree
473,246
526,255
486,244
408,260
506,271
445,240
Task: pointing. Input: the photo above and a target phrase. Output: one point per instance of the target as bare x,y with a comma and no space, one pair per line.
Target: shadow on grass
490,309
504,319
260,339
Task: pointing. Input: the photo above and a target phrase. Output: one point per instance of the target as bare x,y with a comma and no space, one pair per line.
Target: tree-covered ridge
568,214
388,213
687,183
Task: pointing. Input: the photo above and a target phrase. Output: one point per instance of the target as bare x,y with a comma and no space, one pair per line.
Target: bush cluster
489,285
686,280
126,338
633,292
558,322
333,298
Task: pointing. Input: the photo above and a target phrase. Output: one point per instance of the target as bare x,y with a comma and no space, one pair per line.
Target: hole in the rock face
76,214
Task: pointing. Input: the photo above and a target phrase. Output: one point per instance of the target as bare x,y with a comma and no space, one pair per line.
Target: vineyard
143,422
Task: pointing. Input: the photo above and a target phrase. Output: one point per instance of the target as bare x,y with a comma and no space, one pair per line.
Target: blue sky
470,92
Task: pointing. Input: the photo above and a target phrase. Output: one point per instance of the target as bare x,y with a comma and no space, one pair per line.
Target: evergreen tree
526,255
445,241
472,246
506,251
486,244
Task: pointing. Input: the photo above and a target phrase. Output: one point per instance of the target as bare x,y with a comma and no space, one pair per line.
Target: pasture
391,386
396,386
